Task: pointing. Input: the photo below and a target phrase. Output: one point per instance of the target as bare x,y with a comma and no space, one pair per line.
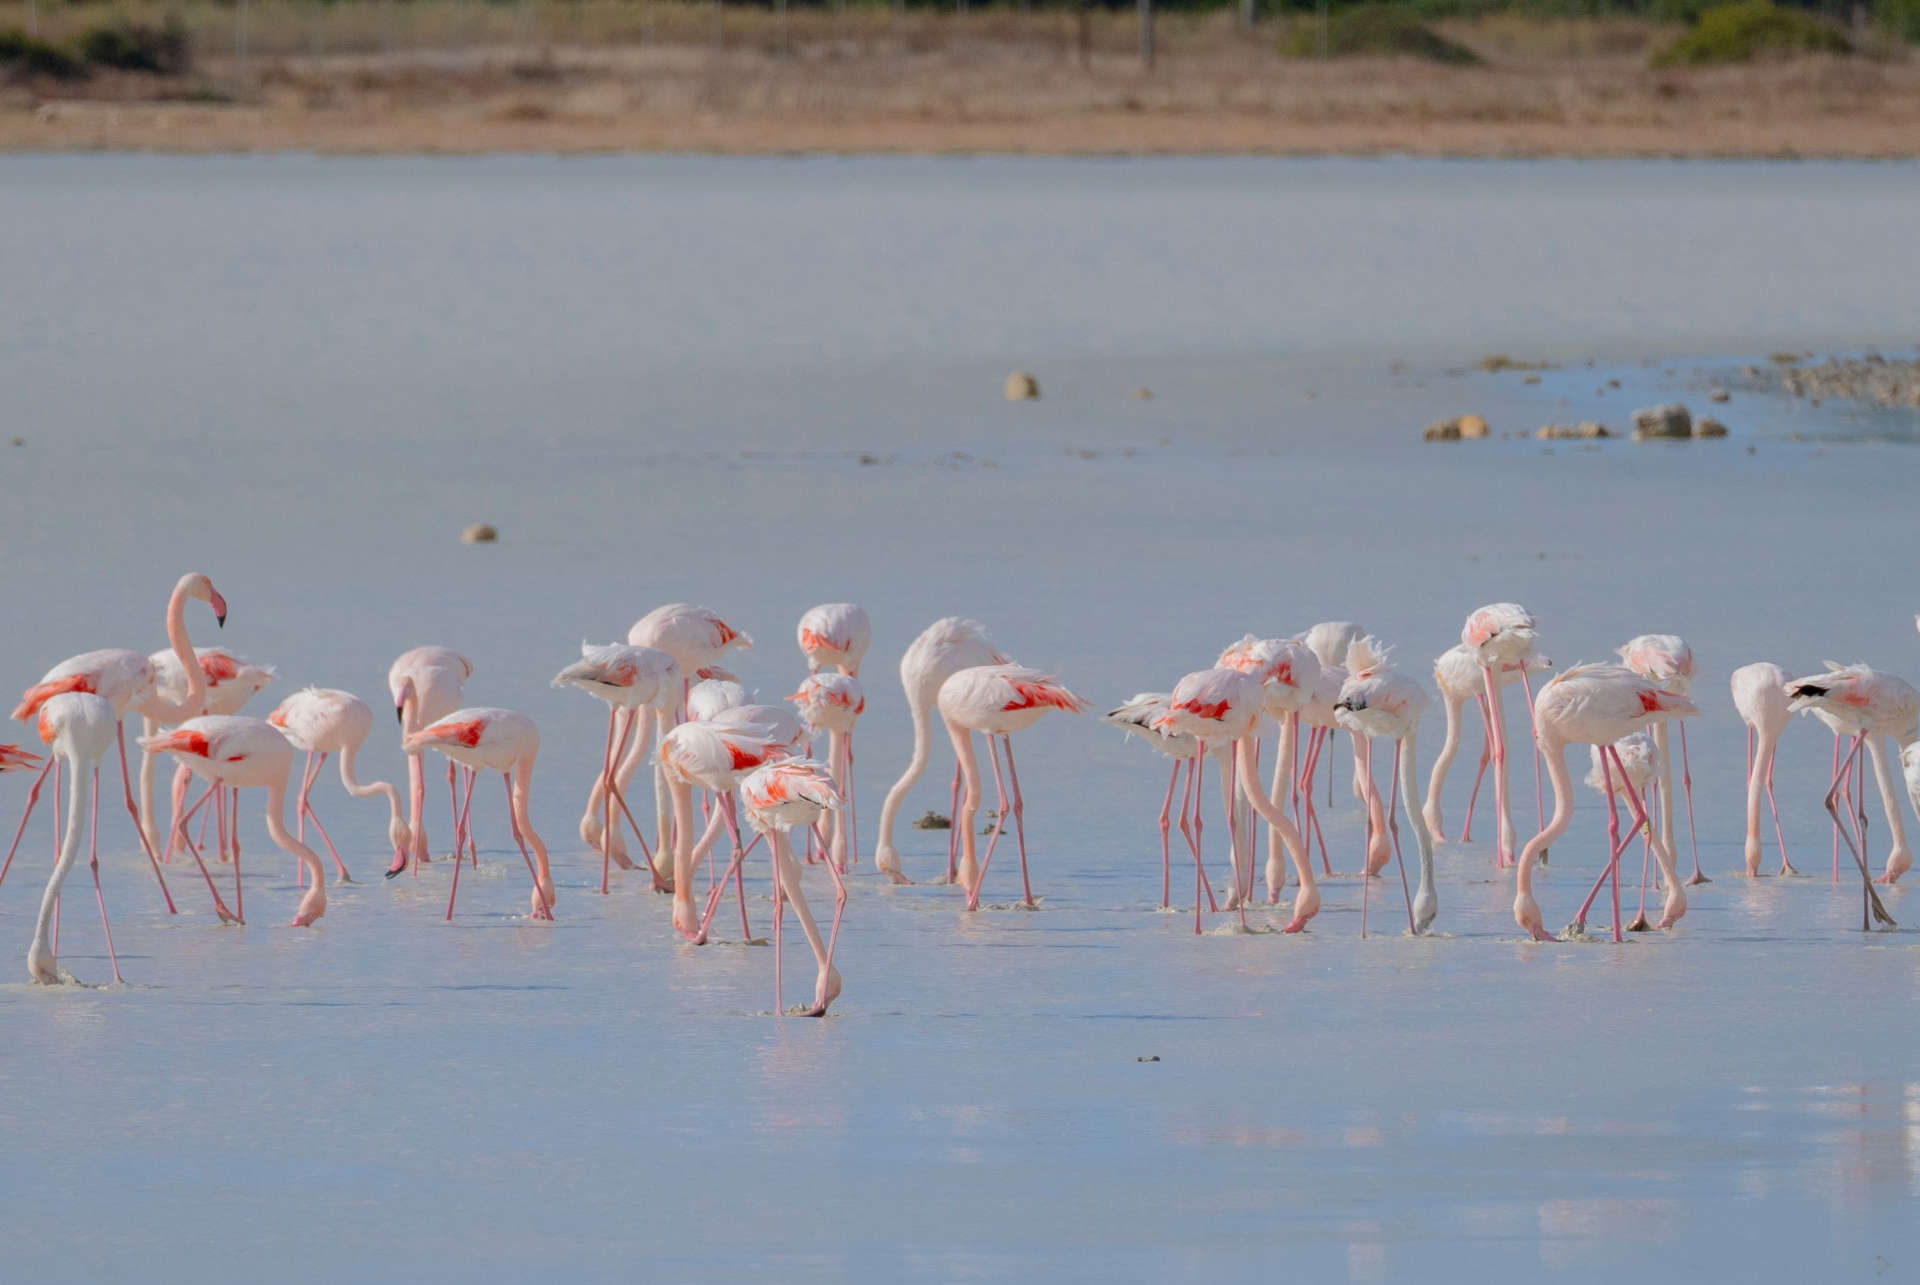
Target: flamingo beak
219,606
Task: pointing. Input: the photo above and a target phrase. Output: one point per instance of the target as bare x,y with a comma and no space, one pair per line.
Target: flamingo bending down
1501,634
1639,767
1138,716
943,648
1596,705
1216,706
1378,701
496,740
229,682
832,703
325,721
779,796
1667,660
427,684
1873,707
1328,641
995,700
712,754
643,683
1457,673
1760,695
78,726
1288,672
1323,721
244,753
835,635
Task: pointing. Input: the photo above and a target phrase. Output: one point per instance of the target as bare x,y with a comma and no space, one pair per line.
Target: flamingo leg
1871,910
1019,821
93,861
999,824
33,797
1193,845
1393,827
1686,789
219,906
1640,924
513,819
1166,840
461,821
133,810
1836,820
307,809
1486,757
233,831
1616,843
953,829
1786,867
606,803
1539,796
787,886
1503,851
1238,902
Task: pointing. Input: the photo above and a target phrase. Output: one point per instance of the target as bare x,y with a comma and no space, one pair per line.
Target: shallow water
658,379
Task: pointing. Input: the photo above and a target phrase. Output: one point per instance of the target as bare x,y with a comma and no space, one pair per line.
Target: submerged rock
479,533
1022,387
932,821
1671,420
1586,428
1455,429
1709,427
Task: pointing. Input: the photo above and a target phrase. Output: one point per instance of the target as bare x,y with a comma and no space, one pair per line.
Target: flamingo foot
1640,924
1699,877
226,916
342,877
1540,934
1787,869
662,885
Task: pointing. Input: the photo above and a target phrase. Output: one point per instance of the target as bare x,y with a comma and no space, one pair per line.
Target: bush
132,46
1743,32
22,55
1377,29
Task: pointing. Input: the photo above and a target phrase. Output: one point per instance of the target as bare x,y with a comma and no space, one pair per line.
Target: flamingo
832,703
1760,695
1328,641
779,796
1596,705
712,697
427,684
1871,706
643,683
1639,768
79,728
497,740
1666,659
246,753
1319,715
1501,634
835,635
1223,705
995,700
125,679
944,648
324,721
1289,672
712,754
1379,701
1457,673
230,681
1137,716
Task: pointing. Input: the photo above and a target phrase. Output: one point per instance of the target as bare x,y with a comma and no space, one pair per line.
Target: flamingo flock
716,752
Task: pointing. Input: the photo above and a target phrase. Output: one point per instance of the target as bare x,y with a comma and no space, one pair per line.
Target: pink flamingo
1288,672
643,683
1639,768
1328,641
832,703
426,684
944,648
495,740
1377,701
1501,634
1666,660
1137,716
246,753
995,700
1323,721
125,679
1872,706
834,635
324,721
779,796
229,682
1596,705
1760,695
79,728
712,754
1457,673
1216,706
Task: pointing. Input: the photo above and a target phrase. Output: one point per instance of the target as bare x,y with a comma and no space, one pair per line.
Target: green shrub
132,46
1379,30
22,55
1752,29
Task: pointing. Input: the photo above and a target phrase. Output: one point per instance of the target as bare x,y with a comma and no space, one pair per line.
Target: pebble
932,821
1670,420
1022,387
1455,429
1707,427
479,533
1585,428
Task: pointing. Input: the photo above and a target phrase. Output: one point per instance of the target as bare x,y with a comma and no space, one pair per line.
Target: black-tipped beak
400,714
1349,705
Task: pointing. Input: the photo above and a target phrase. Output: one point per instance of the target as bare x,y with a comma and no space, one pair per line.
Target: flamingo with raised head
779,796
1873,707
835,635
246,753
944,648
427,684
1378,701
493,740
1596,705
1501,634
643,685
229,682
1667,660
326,721
78,726
1457,674
1760,695
832,703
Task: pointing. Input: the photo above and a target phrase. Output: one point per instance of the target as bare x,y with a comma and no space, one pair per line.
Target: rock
1139,394
932,821
1671,420
479,533
1472,426
1022,387
1584,429
1706,427
1531,379
1151,1057
1452,430
1718,395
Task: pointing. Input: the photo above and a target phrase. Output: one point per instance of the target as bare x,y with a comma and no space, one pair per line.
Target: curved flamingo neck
1554,750
194,702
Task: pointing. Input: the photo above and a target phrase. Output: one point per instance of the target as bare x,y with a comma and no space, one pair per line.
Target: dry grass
432,76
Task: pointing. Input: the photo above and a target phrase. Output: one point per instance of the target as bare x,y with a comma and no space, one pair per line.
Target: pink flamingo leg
1393,828
1836,820
307,809
659,883
1366,875
779,914
300,813
1316,745
606,825
233,832
33,797
1871,908
1239,902
999,824
133,810
1486,757
1193,844
1686,789
219,907
461,820
513,820
726,807
1539,797
1019,821
93,861
1616,843
1786,867
1501,856
1166,841
953,829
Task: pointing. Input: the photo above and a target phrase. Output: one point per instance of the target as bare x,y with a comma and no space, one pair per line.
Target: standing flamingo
643,683
1323,722
995,700
1457,673
495,740
1872,706
943,648
246,753
1328,641
1501,634
712,754
1639,768
1289,672
229,682
427,684
1666,660
125,679
1760,694
1596,705
324,721
834,635
779,796
79,728
1217,706
832,703
1138,716
1378,701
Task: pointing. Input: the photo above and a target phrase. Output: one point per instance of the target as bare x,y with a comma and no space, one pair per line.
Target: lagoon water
760,384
